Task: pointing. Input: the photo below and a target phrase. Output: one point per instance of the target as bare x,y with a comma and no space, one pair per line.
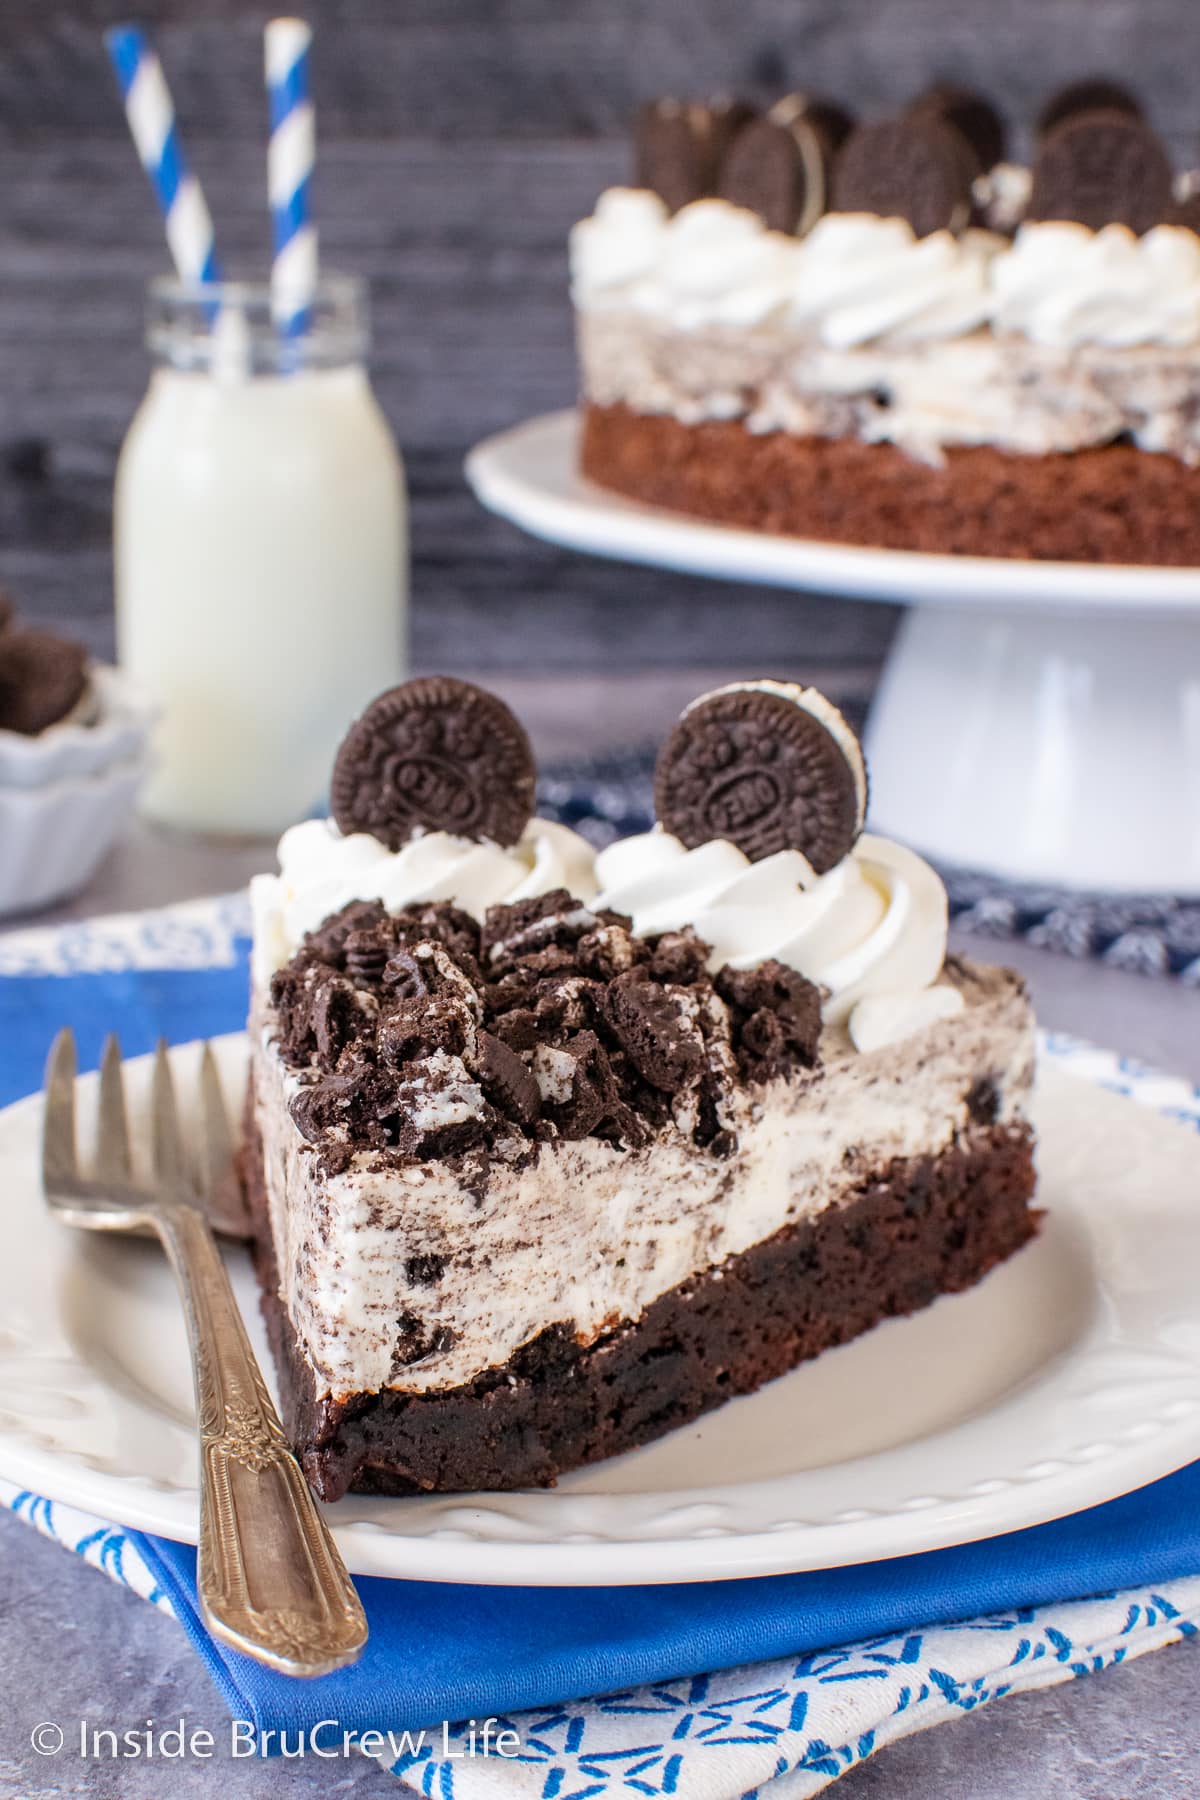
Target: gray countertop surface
73,1646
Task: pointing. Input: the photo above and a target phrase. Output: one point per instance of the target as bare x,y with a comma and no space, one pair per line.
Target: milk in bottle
261,551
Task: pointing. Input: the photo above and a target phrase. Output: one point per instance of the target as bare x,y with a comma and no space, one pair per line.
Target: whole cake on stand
846,346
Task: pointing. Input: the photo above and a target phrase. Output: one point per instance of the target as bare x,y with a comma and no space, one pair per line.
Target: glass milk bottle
261,551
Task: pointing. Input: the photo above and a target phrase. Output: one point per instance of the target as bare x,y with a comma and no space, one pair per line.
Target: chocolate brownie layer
1112,504
915,1229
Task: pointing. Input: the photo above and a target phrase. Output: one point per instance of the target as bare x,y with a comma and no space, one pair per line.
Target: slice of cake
551,1152
894,339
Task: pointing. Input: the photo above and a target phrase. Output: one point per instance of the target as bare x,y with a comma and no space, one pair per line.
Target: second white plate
530,475
1070,1375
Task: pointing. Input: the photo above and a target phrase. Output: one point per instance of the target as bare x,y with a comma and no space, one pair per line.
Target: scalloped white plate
1071,1375
530,475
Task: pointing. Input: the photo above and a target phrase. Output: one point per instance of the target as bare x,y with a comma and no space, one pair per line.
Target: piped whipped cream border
857,279
871,932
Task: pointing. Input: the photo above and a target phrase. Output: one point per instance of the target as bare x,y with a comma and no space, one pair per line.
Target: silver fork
271,1581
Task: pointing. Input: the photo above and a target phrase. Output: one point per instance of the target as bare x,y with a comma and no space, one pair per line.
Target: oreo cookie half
679,146
1094,94
779,171
767,766
42,679
969,113
828,118
1102,168
436,754
914,169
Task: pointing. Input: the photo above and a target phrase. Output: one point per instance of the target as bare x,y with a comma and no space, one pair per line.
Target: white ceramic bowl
67,794
122,719
53,838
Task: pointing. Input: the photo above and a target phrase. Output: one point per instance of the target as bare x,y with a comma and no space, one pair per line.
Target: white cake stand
1041,720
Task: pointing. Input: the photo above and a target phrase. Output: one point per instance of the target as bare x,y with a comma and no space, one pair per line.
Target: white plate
1072,1374
530,475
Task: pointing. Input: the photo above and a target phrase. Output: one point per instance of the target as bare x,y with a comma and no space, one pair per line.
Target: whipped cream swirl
618,247
320,871
872,931
719,265
857,279
862,278
854,279
710,264
1063,284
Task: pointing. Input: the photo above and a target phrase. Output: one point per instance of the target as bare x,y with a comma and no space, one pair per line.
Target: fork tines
113,1164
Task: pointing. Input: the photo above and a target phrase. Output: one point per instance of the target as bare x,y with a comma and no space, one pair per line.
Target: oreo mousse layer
548,1151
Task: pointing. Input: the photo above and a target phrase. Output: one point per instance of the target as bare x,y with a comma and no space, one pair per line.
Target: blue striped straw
151,116
291,153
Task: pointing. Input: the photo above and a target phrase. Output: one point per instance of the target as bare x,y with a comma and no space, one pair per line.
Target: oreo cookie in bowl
74,742
884,334
551,1151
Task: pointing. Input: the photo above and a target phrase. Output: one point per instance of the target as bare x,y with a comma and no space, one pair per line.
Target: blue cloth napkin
441,1653
447,1653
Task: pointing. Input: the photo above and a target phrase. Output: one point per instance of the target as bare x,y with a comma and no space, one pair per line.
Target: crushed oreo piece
506,1081
919,170
425,1269
983,1101
678,956
365,957
348,1106
1096,93
779,171
592,1104
415,1341
1102,168
436,754
608,951
422,1027
319,1012
585,1030
405,976
527,927
437,1109
776,1019
969,113
327,944
679,146
42,678
656,1027
757,768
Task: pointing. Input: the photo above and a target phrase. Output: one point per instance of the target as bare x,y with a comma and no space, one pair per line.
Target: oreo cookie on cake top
780,166
679,146
435,754
916,168
767,766
1101,168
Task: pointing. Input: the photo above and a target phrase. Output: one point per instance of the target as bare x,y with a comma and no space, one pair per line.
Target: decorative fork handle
271,1581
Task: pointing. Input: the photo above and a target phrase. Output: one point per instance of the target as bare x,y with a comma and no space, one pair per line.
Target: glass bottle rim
229,326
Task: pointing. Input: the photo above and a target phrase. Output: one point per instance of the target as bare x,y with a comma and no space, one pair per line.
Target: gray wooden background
458,141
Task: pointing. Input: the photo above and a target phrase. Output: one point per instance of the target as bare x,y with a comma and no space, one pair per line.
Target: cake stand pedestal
1038,720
